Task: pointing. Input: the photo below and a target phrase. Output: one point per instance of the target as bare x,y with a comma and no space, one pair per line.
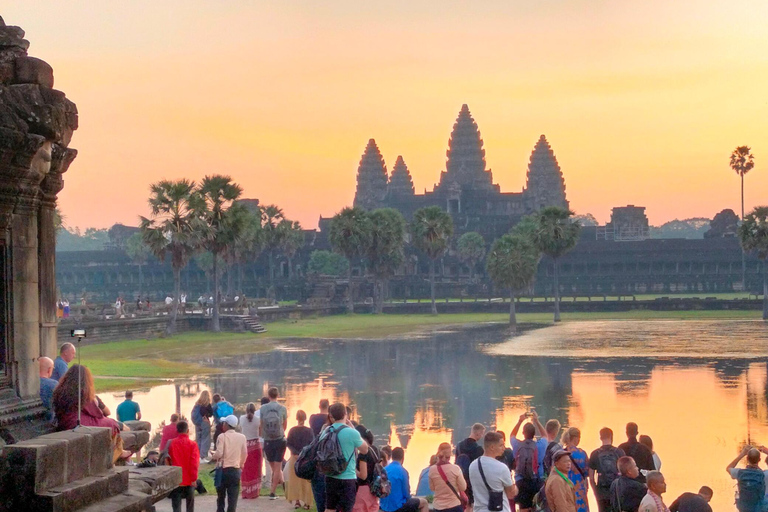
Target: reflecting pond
698,388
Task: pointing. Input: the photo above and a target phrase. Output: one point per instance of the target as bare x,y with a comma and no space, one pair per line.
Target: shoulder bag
495,498
461,496
218,471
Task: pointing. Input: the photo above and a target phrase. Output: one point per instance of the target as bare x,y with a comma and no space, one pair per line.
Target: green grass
595,298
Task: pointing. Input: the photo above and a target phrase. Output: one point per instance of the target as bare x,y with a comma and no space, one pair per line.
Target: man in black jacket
626,491
689,502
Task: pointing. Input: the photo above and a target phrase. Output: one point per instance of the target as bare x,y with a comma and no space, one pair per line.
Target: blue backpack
751,490
197,418
224,409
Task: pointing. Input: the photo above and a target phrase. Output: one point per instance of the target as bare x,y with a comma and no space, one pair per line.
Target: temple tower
466,157
372,178
545,185
400,183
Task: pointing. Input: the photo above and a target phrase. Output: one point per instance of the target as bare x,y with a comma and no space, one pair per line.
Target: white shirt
168,300
498,476
250,429
649,504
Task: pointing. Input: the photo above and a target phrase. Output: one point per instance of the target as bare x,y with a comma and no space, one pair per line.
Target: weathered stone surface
78,454
34,466
129,501
161,479
138,425
86,491
31,70
134,440
101,448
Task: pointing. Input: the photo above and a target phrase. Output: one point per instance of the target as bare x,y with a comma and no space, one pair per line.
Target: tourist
689,502
47,384
128,410
184,453
297,489
508,456
266,481
169,432
529,454
349,417
365,501
250,480
648,443
231,454
422,488
60,365
559,489
65,403
386,455
319,420
632,448
341,490
400,499
221,409
118,308
168,300
652,502
274,421
751,480
626,491
202,412
65,305
489,476
551,430
578,473
467,451
603,462
447,483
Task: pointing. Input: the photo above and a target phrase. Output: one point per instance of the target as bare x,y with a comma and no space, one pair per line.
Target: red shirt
169,432
185,454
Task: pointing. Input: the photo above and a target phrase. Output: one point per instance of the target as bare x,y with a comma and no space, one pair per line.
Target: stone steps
129,501
84,492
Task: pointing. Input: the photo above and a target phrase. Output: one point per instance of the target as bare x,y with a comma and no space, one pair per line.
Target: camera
78,333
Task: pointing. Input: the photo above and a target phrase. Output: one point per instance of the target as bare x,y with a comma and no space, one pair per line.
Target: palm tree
431,229
471,248
248,245
204,261
385,252
291,240
270,220
555,234
174,230
512,264
350,235
224,223
742,161
138,252
753,233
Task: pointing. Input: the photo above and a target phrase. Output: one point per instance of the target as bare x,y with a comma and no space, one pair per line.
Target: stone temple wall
36,126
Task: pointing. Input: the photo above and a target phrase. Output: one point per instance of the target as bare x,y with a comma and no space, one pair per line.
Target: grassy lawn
596,298
143,363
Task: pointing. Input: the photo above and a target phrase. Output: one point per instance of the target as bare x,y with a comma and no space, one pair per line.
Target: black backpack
751,490
380,484
329,456
306,463
608,469
527,460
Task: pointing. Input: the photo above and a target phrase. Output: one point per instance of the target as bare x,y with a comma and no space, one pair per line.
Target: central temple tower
465,166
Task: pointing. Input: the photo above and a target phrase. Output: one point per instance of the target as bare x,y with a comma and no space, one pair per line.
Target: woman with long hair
447,482
297,489
366,466
201,419
250,478
648,442
578,473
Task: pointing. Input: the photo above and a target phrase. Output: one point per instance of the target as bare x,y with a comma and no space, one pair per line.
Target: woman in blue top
578,472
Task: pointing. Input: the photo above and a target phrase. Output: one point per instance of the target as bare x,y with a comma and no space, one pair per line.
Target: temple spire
545,185
401,183
466,157
372,178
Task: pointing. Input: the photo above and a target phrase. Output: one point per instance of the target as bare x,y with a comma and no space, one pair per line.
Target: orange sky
642,101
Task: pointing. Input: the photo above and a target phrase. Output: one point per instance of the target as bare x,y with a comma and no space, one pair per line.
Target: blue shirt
349,440
46,391
401,488
423,488
127,411
541,448
60,367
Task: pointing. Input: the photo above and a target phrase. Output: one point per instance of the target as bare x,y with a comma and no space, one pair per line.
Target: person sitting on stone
47,384
169,432
61,364
128,410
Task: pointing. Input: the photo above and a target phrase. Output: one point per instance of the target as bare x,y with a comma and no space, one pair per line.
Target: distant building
628,224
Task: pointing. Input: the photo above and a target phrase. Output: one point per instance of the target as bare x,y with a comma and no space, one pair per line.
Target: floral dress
579,482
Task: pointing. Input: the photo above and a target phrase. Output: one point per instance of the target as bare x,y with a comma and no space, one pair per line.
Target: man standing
61,364
604,462
632,448
399,499
316,423
551,429
231,452
47,384
626,491
529,455
469,446
652,501
490,477
689,502
751,486
341,490
128,410
561,495
274,421
185,454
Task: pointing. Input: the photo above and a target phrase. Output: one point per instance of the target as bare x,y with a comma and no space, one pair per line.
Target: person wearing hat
231,452
559,489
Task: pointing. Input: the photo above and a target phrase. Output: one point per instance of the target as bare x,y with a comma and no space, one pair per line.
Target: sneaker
272,496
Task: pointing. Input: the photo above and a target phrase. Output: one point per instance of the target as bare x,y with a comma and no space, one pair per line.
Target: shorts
340,494
274,450
365,501
412,505
526,490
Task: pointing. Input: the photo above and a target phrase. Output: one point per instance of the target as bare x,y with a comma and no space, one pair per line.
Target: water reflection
698,393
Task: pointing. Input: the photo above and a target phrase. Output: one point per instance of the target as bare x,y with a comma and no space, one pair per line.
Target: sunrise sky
642,101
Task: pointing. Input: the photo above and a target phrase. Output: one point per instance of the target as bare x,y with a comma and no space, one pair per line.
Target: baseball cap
559,454
231,420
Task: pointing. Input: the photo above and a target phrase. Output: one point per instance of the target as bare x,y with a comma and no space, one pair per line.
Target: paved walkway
208,504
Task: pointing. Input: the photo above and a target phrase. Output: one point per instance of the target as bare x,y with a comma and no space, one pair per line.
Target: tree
471,248
204,261
138,252
385,252
174,229
248,246
586,219
351,235
431,229
327,263
270,220
742,161
224,222
753,233
291,240
555,234
512,264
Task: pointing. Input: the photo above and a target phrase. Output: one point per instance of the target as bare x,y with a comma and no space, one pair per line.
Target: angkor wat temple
466,189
